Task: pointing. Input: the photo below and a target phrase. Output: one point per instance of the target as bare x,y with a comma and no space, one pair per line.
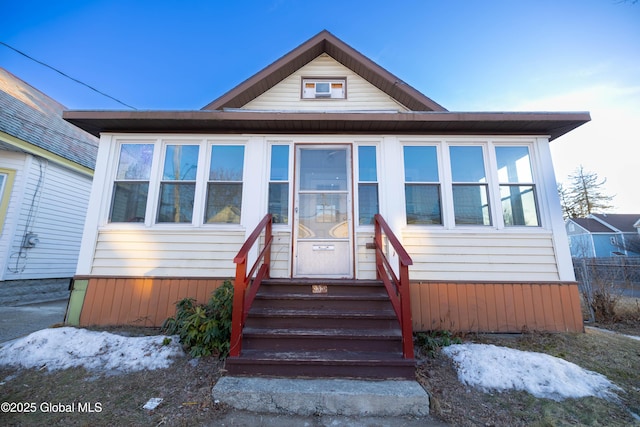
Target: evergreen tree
584,195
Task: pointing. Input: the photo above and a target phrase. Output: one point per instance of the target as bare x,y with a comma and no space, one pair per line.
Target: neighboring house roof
591,225
425,117
624,223
32,117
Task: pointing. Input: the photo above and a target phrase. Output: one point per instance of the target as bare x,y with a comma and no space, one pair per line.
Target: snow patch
62,348
490,367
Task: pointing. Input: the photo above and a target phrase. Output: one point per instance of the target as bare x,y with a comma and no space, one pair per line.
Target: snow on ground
485,366
61,348
489,367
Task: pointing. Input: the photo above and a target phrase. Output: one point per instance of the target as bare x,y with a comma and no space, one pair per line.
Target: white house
46,168
323,139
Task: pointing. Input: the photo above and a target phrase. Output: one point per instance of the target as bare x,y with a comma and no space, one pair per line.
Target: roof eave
553,125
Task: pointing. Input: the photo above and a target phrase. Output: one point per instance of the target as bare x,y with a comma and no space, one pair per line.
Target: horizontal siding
496,307
281,254
361,95
54,207
186,253
481,256
365,258
140,301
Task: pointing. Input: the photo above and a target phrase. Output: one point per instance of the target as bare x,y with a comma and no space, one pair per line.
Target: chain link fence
610,287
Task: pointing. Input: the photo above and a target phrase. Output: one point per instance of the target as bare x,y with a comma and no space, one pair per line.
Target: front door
322,244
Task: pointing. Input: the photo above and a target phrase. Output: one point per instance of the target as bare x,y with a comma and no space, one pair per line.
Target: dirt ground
186,387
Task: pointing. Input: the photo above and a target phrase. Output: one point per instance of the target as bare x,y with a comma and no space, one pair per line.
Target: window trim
150,205
210,143
5,193
357,181
535,183
162,159
288,181
484,147
304,81
440,184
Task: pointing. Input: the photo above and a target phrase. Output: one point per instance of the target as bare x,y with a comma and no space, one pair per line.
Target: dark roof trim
324,42
552,124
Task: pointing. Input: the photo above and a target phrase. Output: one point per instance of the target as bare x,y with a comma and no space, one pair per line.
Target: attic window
321,88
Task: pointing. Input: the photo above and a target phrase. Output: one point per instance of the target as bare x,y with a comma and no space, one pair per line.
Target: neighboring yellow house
46,169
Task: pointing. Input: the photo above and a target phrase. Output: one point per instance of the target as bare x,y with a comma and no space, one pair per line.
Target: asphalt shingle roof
622,222
33,117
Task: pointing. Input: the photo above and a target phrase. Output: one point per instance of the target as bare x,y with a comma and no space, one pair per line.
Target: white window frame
305,91
210,143
357,182
488,169
197,200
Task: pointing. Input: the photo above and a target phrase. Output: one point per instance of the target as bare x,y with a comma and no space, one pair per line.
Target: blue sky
467,55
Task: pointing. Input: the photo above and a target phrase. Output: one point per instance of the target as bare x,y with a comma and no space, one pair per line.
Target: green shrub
431,341
204,329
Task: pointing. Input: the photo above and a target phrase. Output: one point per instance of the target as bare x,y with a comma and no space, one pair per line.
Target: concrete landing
306,397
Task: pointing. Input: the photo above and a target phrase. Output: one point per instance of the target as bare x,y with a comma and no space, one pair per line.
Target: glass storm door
322,212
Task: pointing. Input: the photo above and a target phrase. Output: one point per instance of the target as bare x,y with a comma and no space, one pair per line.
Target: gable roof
427,117
592,225
623,223
34,118
324,42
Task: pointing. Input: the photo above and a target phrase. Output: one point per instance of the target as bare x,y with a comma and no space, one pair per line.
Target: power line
67,76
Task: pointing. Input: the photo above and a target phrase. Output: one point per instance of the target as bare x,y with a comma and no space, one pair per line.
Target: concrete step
315,397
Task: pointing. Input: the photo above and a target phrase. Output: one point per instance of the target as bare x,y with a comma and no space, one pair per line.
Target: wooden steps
329,328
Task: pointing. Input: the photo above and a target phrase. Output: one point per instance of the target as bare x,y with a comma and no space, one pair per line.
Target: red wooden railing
244,289
397,288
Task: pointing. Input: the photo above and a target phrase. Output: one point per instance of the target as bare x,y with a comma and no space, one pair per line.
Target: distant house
323,139
46,169
604,235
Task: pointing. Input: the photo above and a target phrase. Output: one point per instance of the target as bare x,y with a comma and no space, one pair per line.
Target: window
131,187
178,185
279,184
6,183
224,187
517,190
470,193
333,88
422,185
367,184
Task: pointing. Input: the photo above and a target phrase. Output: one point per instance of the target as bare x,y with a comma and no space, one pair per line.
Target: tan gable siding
485,257
153,253
361,95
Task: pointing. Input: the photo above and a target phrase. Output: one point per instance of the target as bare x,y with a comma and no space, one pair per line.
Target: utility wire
67,76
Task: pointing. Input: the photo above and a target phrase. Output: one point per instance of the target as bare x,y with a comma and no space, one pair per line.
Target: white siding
481,256
361,95
365,258
167,253
281,254
53,206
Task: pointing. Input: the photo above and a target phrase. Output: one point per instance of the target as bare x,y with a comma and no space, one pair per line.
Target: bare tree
584,195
